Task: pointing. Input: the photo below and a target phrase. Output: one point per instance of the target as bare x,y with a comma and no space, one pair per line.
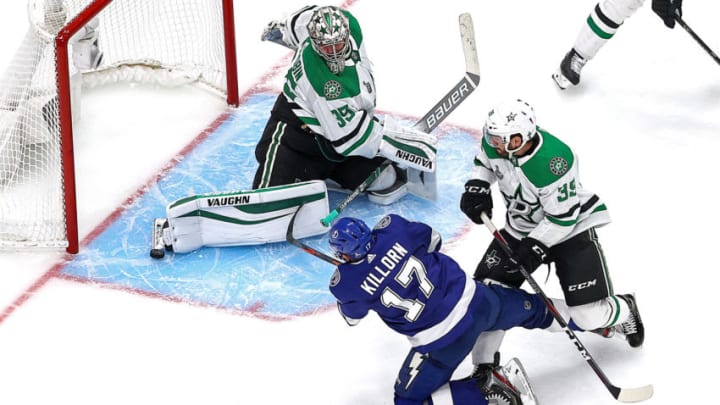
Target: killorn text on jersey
388,261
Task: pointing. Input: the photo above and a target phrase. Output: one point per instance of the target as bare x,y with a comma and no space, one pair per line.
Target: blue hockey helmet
350,238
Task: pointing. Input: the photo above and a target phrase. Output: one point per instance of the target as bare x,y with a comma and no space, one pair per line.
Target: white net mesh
167,42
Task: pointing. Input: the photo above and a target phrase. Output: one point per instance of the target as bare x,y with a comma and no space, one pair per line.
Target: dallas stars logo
519,208
511,117
492,259
558,166
332,89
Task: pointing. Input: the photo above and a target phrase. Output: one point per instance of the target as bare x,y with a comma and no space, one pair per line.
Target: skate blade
561,81
519,379
157,251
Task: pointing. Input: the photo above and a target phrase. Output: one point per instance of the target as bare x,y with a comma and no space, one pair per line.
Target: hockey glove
666,10
476,199
274,33
408,147
530,253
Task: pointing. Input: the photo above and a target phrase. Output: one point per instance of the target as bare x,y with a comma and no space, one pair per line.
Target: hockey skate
392,193
569,71
422,184
632,330
517,376
161,238
506,385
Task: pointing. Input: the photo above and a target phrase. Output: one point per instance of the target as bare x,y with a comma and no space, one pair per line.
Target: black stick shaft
290,238
697,38
615,391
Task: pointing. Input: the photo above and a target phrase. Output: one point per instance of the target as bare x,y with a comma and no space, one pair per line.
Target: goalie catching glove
408,147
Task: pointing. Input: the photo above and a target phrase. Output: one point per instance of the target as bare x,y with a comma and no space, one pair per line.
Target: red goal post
158,41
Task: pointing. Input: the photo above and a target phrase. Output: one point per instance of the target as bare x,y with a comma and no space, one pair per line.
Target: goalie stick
290,238
621,394
432,119
464,87
358,190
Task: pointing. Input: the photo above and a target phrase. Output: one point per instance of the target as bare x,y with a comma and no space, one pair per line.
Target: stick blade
638,394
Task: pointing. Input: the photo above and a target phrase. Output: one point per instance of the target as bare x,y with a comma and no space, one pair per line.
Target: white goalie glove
290,31
408,147
274,33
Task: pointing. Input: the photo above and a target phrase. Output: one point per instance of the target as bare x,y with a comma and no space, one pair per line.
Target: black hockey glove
530,253
666,10
476,199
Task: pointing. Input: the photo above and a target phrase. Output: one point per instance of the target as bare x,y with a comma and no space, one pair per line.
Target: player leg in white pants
603,22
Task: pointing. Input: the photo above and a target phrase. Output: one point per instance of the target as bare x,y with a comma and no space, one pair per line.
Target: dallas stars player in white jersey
323,124
550,217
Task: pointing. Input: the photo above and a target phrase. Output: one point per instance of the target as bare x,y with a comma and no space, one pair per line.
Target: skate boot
392,192
161,238
633,329
569,72
498,389
495,383
518,378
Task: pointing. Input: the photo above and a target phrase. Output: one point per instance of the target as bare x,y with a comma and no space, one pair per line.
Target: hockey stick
358,190
290,238
621,394
697,38
438,113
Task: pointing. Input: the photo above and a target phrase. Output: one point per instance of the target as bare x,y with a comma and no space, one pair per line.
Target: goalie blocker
240,218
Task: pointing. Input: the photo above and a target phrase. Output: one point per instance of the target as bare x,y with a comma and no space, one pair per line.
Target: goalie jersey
340,108
416,290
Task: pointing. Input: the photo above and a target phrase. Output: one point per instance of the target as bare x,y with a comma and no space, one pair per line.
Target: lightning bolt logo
414,367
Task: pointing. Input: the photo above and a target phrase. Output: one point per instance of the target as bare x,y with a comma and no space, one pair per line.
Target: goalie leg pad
422,184
247,217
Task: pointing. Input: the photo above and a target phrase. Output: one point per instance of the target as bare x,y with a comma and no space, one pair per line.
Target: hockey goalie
28,94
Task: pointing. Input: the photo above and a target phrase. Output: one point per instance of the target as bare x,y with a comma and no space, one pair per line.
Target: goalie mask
329,31
508,119
350,239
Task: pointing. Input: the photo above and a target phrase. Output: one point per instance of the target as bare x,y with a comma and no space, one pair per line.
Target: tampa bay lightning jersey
416,290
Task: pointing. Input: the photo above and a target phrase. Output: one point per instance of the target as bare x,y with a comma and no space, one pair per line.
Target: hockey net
168,42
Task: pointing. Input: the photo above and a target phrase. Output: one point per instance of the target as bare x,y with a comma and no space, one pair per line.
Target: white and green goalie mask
329,31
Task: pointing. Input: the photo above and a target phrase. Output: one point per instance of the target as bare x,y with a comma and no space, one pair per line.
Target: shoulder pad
550,161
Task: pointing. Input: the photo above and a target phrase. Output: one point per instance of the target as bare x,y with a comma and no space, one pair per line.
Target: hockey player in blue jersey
397,270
